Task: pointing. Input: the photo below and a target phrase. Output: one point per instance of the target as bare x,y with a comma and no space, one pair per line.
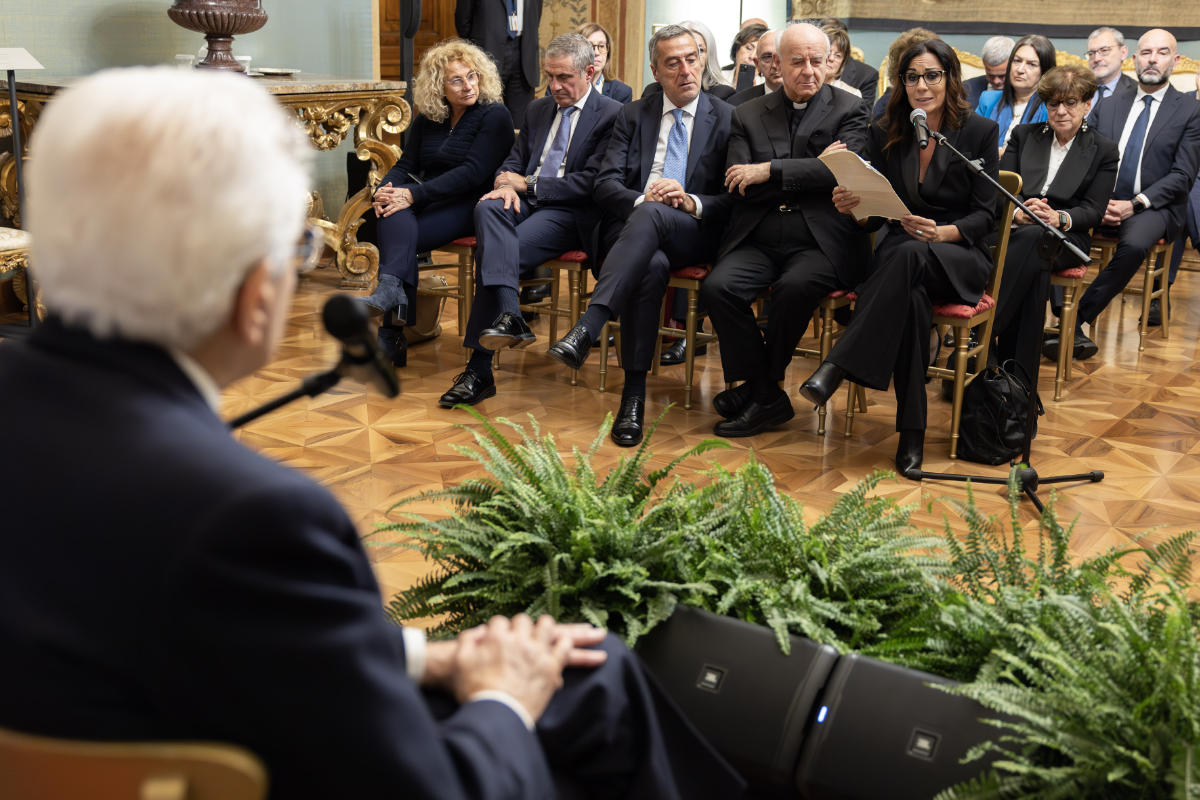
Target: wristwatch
531,185
1064,220
1138,205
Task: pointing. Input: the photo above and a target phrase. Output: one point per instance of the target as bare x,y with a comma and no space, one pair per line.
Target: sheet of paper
877,198
17,58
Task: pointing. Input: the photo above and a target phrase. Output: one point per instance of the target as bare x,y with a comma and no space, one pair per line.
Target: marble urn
219,21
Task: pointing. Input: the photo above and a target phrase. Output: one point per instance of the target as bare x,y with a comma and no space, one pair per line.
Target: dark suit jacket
630,156
974,87
863,77
760,132
160,581
485,22
721,91
751,93
1123,83
1084,182
1171,154
950,195
588,143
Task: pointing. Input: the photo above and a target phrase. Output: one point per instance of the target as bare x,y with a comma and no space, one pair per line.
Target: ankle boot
389,295
821,385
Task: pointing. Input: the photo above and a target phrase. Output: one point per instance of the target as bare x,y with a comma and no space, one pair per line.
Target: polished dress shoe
393,345
631,419
1082,348
535,294
909,453
730,402
821,385
573,348
676,352
1154,318
509,330
469,388
756,418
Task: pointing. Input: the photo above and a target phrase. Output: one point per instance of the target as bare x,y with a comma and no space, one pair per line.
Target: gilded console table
327,108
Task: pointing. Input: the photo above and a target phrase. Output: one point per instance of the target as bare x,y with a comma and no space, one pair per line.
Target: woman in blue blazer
459,136
609,86
1018,102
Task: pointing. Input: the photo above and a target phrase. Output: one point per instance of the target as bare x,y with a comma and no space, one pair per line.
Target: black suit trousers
888,337
779,255
1136,236
518,94
654,240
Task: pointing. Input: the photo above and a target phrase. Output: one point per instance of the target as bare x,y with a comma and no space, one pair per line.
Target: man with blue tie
1106,52
541,207
1157,128
660,190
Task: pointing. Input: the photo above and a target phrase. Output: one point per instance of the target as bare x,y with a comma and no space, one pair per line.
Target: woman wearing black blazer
459,136
937,253
1068,173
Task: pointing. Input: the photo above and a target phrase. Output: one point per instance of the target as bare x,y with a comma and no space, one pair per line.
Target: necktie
558,150
675,164
512,18
1132,157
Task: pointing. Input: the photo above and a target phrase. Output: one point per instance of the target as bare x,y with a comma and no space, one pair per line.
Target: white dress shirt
660,151
1135,111
561,169
1058,153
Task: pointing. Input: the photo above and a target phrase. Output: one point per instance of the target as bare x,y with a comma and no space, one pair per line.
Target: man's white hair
151,194
996,50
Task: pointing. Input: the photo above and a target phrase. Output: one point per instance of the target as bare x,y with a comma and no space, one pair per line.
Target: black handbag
995,404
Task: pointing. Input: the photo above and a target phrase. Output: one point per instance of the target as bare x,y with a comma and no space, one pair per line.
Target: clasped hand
389,199
1041,210
1117,212
668,191
509,187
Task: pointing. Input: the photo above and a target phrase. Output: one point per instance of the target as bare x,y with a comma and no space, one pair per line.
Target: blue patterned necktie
675,164
558,151
1132,157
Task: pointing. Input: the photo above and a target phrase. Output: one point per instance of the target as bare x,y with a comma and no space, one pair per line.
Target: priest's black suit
1081,188
642,243
784,234
159,581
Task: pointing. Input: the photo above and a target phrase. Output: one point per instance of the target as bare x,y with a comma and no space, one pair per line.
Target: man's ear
252,304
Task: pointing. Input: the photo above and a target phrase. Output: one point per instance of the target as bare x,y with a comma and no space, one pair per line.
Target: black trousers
779,255
888,336
411,231
633,278
1136,236
517,93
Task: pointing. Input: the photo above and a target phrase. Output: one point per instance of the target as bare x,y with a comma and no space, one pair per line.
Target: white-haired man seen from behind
159,581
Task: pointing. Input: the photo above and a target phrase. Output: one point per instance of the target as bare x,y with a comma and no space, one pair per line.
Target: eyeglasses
1070,104
1100,51
459,84
309,248
931,77
600,48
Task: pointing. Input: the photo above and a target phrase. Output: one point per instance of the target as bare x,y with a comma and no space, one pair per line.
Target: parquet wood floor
1136,416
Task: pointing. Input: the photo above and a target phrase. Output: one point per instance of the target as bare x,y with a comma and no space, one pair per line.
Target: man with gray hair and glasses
996,51
1106,52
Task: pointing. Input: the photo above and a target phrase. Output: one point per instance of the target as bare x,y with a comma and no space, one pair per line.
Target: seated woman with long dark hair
1068,173
459,137
937,253
1018,102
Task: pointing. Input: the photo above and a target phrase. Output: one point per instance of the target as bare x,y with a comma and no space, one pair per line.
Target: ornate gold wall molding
625,22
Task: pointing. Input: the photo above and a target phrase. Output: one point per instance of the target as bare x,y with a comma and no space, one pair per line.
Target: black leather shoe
730,402
756,418
1050,343
1154,318
821,385
675,353
509,330
393,345
631,419
1084,348
573,348
469,387
909,453
535,294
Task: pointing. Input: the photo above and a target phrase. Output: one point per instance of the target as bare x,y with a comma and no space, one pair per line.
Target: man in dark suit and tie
767,64
1157,128
541,207
996,51
664,205
159,581
508,29
784,233
1106,52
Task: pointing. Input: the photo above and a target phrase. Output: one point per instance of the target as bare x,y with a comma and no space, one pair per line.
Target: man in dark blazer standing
541,207
664,205
1158,130
159,581
784,233
767,64
508,29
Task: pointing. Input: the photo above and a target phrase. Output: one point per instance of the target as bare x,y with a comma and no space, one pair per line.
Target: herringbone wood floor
1134,416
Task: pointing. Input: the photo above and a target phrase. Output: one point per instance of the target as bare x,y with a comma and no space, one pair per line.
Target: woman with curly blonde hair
459,136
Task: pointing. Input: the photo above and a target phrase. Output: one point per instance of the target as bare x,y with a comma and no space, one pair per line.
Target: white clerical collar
200,378
800,106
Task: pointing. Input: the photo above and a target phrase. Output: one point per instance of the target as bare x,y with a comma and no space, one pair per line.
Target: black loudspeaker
748,699
880,731
410,18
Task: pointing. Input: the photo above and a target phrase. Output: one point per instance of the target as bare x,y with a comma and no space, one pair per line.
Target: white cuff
1145,200
641,198
414,653
508,700
699,206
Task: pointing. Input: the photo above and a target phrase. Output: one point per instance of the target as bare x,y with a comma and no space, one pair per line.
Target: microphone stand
1052,241
311,386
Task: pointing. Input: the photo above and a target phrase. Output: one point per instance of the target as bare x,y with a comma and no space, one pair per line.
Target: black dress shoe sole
765,422
470,401
567,356
669,359
1082,351
503,341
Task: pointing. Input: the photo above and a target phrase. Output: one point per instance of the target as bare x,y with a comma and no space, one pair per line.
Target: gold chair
961,319
1154,269
1071,281
463,290
826,329
41,768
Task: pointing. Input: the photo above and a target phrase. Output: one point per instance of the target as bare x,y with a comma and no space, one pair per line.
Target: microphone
347,322
918,118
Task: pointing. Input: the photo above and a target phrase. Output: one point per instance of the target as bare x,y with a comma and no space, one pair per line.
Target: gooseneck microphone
347,321
920,121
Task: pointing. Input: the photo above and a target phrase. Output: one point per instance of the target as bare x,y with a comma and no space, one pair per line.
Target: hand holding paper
858,179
